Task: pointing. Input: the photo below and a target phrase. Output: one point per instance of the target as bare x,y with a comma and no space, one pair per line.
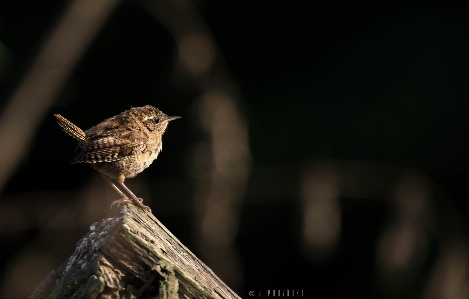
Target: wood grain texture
115,257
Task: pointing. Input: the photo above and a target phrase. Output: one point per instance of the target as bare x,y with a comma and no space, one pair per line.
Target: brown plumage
122,146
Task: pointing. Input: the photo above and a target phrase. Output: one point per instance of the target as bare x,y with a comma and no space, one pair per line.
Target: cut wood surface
121,256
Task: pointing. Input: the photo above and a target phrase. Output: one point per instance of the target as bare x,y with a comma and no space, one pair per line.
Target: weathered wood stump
131,254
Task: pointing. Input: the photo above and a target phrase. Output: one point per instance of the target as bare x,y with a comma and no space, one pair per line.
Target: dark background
381,84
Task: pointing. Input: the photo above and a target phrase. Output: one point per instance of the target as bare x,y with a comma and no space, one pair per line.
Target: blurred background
323,146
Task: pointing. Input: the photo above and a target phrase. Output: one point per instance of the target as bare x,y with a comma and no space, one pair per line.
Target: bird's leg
136,201
124,198
108,180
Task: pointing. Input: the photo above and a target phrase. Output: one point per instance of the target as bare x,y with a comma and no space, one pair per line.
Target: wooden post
131,254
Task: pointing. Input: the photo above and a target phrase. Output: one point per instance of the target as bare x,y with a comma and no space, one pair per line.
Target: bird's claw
139,203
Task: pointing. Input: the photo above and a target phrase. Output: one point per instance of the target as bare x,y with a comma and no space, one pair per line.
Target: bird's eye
156,120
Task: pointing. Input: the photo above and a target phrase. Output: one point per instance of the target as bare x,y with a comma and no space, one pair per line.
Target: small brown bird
122,146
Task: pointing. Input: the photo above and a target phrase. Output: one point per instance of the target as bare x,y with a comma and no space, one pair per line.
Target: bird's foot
139,203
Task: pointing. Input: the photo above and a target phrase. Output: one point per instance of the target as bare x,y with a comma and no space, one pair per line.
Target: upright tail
69,128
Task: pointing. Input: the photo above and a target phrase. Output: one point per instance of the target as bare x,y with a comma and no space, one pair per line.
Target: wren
120,147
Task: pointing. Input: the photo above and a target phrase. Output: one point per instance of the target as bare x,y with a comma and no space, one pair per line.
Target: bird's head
153,118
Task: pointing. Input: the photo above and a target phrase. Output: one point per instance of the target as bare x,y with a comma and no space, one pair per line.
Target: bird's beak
170,118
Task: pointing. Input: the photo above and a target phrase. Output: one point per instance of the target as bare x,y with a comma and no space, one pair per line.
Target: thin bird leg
124,199
108,180
137,201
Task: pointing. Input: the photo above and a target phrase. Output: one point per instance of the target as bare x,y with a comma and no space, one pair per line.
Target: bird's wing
110,148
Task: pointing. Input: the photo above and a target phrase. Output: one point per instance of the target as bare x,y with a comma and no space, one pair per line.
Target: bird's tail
69,128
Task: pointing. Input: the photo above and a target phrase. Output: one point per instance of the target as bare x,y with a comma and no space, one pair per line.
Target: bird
120,147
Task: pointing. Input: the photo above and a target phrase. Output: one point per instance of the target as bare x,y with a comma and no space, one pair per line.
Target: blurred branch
50,70
322,223
403,248
450,277
221,158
